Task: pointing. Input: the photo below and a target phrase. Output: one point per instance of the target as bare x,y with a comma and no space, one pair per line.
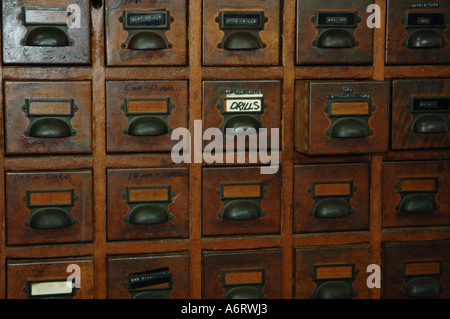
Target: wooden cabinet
115,157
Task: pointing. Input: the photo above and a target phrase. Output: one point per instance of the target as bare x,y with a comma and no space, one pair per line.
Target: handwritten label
150,175
244,103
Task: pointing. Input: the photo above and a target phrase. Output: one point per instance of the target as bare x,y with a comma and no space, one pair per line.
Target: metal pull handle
46,27
239,207
243,284
334,281
430,114
137,284
241,30
424,30
336,29
417,194
147,116
332,199
349,114
422,278
50,118
148,205
146,29
50,209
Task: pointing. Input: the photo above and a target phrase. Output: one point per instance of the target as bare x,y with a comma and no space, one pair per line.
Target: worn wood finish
309,54
117,92
216,262
312,121
20,271
116,35
117,207
396,34
307,257
17,212
212,35
14,52
270,119
358,174
119,267
402,138
396,253
17,121
213,205
277,67
416,171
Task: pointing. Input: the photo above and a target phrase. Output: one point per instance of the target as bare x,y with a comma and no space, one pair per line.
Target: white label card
244,102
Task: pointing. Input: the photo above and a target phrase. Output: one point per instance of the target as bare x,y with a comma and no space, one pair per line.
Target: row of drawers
331,117
344,272
56,207
235,32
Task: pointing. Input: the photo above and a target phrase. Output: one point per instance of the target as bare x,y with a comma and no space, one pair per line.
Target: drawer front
254,274
147,203
240,201
339,27
416,270
151,33
47,278
242,105
331,198
141,115
48,117
418,33
332,272
241,32
333,118
48,207
54,32
137,276
420,114
416,194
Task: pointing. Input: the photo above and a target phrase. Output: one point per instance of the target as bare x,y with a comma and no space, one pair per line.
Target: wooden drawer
331,272
48,117
420,114
341,117
241,32
47,278
147,203
417,33
249,274
333,32
243,105
127,273
147,33
416,194
240,201
48,207
416,270
141,115
331,198
40,32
